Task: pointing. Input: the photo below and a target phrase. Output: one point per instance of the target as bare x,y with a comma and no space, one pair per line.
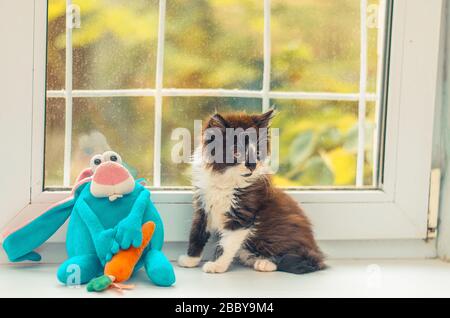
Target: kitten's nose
250,166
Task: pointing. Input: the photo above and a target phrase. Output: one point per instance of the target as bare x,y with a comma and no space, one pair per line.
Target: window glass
212,59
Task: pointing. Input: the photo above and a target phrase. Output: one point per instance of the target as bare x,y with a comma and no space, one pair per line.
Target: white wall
443,145
16,85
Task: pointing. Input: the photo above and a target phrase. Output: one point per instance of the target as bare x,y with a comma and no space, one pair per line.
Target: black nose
250,166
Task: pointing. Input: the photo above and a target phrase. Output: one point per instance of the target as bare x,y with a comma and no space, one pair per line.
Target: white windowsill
356,268
344,278
55,253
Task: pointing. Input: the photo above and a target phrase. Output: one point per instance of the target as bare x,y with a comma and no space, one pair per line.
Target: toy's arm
104,242
90,219
129,230
158,235
137,212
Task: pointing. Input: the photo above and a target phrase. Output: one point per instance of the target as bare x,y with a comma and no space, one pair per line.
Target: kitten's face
236,141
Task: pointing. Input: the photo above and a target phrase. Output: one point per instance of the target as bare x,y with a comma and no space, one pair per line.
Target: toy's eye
96,161
112,156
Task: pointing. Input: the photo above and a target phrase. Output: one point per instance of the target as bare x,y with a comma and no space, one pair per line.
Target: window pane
180,112
318,143
371,159
122,124
115,46
54,142
374,46
211,44
316,45
56,55
214,44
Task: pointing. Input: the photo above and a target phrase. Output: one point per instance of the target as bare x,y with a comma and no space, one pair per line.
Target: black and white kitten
257,224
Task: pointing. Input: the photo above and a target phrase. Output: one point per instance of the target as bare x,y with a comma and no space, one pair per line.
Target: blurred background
212,44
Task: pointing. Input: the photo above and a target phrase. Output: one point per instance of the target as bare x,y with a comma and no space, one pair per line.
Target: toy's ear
86,173
20,242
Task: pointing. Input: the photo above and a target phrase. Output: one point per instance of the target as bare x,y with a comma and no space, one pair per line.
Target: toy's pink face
110,178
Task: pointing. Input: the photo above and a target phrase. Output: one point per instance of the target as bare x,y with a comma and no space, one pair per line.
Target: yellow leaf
284,182
56,8
343,165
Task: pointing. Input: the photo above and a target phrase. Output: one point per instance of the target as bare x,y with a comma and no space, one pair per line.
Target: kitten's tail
297,264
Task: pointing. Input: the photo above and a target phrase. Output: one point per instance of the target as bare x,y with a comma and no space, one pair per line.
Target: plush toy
107,210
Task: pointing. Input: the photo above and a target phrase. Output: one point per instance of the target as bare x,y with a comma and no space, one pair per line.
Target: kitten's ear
218,121
263,120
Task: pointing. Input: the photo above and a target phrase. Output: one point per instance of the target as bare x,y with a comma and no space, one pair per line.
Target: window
352,152
124,74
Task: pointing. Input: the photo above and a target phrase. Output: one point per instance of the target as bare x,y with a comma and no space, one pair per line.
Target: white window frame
397,210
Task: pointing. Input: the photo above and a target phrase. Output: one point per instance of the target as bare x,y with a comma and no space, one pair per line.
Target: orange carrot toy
121,266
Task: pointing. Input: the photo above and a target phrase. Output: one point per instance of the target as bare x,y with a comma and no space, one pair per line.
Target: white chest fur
216,204
216,190
217,194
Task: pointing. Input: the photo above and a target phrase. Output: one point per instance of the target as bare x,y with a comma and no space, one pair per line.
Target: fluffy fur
258,224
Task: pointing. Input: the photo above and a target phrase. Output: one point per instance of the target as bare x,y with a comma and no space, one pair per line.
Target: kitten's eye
113,158
96,161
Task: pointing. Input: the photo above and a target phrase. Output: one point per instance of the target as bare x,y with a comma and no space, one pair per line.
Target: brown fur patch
279,225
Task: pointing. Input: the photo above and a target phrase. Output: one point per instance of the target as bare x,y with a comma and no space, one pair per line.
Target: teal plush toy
107,210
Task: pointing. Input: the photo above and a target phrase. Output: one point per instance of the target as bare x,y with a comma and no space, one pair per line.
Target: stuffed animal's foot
162,275
264,265
188,261
159,269
215,267
79,269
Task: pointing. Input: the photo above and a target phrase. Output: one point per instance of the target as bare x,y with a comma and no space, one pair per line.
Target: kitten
257,224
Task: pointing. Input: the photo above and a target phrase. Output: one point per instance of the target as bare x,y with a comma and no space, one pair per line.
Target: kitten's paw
215,267
188,261
264,265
